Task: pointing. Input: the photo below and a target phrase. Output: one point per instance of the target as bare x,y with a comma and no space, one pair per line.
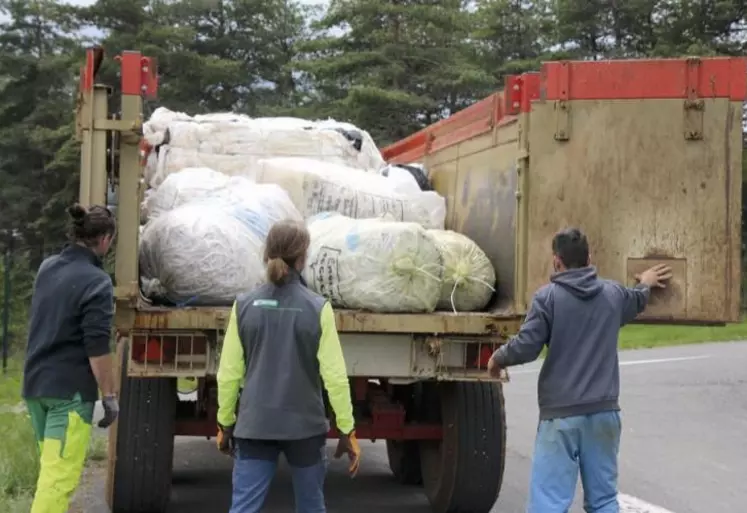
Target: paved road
684,446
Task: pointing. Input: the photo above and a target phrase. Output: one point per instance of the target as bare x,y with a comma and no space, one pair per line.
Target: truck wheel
145,444
463,472
404,460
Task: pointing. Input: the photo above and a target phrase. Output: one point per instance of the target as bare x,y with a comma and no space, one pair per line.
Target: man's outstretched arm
534,334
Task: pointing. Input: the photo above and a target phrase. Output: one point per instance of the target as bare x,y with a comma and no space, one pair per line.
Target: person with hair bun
68,358
281,344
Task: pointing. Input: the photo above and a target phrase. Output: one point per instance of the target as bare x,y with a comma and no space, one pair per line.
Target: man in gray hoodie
578,317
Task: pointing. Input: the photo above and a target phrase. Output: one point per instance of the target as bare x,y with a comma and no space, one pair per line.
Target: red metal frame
712,77
717,77
94,57
139,73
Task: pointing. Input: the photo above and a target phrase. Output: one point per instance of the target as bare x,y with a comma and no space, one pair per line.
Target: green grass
19,463
639,336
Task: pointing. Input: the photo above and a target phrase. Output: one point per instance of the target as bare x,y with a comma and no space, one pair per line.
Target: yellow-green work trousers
63,431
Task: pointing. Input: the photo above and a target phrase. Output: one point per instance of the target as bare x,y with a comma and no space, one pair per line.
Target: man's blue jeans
565,446
254,468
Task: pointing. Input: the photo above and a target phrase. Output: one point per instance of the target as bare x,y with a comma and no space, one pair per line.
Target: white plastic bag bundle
199,255
401,179
468,275
258,205
232,143
167,160
188,185
369,156
407,175
316,187
373,264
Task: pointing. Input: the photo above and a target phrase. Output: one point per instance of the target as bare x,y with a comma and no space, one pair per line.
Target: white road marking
630,504
625,363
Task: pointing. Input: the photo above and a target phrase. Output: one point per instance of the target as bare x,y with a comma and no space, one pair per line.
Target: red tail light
157,349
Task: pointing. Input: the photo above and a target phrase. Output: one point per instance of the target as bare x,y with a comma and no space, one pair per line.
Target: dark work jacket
70,321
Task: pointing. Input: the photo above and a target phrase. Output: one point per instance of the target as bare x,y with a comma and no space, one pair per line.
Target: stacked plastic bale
378,238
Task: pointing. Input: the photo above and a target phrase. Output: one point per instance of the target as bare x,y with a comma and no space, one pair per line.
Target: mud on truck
645,156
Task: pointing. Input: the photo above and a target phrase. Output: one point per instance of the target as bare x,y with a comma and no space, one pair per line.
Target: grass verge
19,460
641,336
19,463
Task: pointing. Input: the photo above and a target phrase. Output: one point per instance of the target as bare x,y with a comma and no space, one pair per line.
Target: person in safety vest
578,317
281,344
68,358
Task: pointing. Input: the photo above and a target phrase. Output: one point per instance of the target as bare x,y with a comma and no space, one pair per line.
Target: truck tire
404,460
463,472
145,444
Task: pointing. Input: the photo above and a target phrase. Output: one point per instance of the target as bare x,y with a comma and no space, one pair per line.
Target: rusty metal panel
666,303
500,322
629,179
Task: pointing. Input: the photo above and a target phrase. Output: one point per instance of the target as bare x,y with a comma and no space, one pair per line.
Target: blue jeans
254,468
564,446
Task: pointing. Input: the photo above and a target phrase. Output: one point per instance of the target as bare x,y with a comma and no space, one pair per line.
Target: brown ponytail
286,245
277,270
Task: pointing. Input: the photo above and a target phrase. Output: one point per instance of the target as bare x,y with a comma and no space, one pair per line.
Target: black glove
225,440
111,411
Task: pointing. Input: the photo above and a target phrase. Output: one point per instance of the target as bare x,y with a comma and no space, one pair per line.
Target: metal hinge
562,106
693,106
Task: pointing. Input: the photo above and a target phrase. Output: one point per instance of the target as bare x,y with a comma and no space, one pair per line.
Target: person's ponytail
285,247
277,270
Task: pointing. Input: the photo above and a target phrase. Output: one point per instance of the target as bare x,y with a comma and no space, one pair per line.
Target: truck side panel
644,156
643,194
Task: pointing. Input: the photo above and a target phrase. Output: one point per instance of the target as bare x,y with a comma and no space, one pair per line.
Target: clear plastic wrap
406,174
258,205
232,143
377,265
199,254
315,186
468,275
188,185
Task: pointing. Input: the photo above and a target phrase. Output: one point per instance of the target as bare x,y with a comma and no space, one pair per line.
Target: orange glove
225,440
348,444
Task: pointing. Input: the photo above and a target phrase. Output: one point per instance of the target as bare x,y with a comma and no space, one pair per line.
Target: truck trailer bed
499,321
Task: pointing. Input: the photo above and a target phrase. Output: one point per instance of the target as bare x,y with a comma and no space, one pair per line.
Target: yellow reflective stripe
333,371
231,370
61,466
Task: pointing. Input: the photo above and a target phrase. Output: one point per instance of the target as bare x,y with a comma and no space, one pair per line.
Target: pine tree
393,66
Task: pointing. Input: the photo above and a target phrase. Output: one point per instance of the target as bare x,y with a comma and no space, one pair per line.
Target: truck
645,156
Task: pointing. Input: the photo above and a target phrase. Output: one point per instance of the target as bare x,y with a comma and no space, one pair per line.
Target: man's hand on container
494,370
348,444
111,410
656,277
225,440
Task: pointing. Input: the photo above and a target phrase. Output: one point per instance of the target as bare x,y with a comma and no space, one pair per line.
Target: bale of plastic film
376,264
199,254
186,186
232,143
258,205
317,186
468,276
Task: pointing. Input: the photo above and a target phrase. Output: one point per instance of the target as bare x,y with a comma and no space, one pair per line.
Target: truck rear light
179,351
478,355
